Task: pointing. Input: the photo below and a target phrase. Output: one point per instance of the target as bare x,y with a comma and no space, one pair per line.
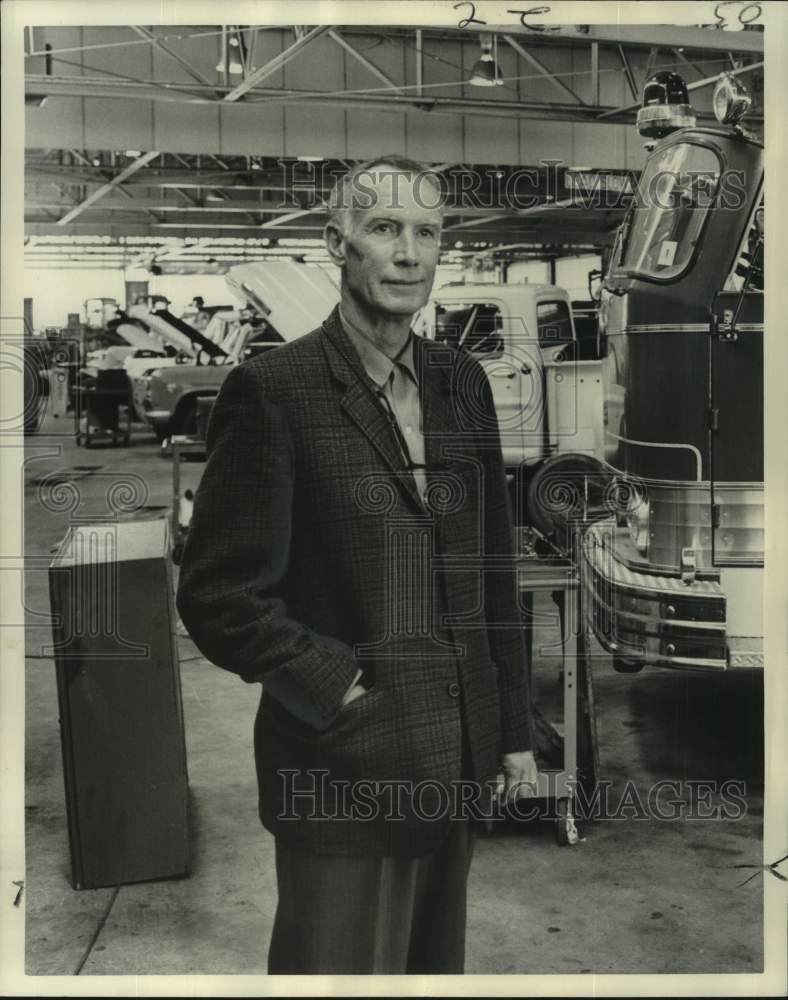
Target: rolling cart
97,407
576,732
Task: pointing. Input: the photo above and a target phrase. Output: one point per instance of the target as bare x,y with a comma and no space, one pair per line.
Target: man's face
391,242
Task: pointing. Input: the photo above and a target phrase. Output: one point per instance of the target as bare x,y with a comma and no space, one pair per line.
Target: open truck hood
136,337
175,331
293,298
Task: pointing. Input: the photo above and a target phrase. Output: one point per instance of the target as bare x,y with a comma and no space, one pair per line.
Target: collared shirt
398,385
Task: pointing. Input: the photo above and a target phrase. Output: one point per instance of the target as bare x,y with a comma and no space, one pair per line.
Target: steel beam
480,220
419,61
691,65
635,36
275,64
185,65
83,87
595,73
532,110
628,73
291,217
652,58
366,63
158,205
543,70
193,180
91,199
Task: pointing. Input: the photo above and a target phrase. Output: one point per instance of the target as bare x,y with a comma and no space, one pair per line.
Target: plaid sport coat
311,554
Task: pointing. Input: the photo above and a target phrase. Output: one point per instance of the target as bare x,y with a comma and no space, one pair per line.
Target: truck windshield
675,193
476,327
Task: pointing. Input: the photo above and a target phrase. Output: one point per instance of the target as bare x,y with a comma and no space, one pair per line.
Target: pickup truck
548,402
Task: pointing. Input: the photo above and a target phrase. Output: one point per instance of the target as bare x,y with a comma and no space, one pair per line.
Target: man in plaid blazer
351,549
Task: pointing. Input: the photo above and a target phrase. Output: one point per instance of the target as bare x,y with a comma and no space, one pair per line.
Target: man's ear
335,242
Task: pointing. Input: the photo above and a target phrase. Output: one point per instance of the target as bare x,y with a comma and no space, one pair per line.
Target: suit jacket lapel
361,406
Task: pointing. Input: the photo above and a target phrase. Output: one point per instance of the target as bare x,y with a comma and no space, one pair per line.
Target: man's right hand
354,691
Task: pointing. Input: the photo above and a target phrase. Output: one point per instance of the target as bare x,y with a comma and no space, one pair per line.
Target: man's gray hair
351,192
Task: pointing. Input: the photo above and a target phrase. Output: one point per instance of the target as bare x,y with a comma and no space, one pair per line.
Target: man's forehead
386,188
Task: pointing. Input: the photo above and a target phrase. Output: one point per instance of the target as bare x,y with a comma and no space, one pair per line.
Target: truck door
482,329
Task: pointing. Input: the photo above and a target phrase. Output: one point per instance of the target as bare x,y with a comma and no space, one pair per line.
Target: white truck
548,403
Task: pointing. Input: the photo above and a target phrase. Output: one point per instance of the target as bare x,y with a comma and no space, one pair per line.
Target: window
476,327
553,323
675,193
749,261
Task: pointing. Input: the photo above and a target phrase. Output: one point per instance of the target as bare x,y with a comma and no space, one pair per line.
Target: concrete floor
636,895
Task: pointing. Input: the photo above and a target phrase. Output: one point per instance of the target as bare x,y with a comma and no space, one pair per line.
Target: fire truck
674,570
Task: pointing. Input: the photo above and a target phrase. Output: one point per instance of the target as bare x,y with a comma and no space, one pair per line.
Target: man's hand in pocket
354,691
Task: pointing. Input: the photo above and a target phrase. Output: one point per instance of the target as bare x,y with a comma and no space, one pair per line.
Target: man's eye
427,233
383,227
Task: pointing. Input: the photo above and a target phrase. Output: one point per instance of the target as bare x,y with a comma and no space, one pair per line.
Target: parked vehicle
585,314
675,580
548,402
283,300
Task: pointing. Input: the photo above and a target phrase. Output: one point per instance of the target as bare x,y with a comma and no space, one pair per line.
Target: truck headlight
638,524
730,100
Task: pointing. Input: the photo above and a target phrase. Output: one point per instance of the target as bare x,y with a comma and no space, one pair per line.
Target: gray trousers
357,915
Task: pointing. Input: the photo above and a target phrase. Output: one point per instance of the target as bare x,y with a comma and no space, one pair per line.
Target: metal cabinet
121,717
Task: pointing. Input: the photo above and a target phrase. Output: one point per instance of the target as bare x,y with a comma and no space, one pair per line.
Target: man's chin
401,304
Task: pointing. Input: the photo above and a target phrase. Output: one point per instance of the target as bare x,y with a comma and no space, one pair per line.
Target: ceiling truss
167,196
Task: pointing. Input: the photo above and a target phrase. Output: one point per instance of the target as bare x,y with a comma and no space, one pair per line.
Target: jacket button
454,690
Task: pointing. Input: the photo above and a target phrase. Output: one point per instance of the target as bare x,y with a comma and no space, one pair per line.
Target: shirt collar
377,364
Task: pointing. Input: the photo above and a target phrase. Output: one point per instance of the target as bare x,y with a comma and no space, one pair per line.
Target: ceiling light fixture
485,72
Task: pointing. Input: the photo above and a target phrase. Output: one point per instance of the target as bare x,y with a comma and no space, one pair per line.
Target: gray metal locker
121,716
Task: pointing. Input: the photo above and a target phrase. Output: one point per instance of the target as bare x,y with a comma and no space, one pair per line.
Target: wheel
622,666
177,553
162,433
565,829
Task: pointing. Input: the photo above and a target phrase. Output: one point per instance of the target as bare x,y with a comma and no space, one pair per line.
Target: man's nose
406,252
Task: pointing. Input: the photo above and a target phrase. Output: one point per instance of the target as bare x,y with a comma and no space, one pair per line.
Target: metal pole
419,62
595,73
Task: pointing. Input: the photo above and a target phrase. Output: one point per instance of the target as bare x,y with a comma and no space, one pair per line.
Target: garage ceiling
197,145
